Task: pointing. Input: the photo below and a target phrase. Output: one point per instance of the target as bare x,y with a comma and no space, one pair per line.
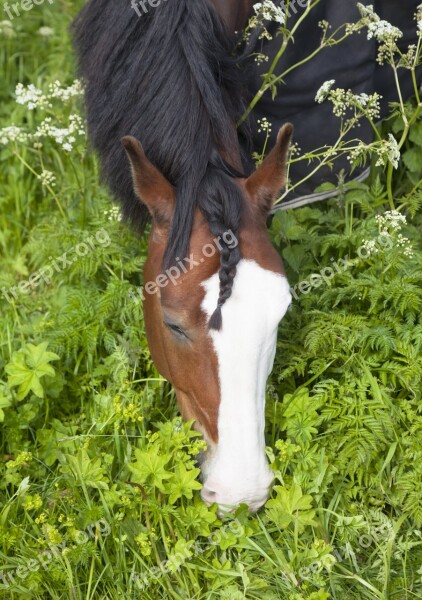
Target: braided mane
168,78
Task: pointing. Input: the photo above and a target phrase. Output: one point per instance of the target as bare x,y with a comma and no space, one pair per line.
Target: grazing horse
164,81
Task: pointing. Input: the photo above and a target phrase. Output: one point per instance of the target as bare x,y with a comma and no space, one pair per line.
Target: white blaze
237,471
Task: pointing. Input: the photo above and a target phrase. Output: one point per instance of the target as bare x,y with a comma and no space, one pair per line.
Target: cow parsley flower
370,246
30,96
418,17
12,134
323,92
384,32
47,178
390,219
33,97
393,151
390,225
268,11
380,30
261,58
388,150
404,244
114,214
264,125
65,93
358,154
345,101
64,136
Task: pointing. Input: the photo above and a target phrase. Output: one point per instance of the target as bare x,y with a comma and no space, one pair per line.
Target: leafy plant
99,487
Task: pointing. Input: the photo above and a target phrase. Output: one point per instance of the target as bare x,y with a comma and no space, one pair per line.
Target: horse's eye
176,329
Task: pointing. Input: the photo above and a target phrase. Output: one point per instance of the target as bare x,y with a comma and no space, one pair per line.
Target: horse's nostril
208,494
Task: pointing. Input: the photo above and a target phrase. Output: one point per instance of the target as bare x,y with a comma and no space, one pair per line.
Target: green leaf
415,134
289,506
413,159
4,403
295,256
86,470
150,468
28,366
184,483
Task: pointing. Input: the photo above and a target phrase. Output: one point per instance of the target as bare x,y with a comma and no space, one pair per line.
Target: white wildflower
30,96
295,149
12,134
324,91
47,178
390,225
418,18
367,11
268,11
114,214
388,150
345,100
363,99
370,246
261,58
405,244
393,151
367,103
65,93
6,29
391,219
384,32
358,154
64,136
45,31
33,97
264,125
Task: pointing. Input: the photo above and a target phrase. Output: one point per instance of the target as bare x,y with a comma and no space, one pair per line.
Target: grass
99,492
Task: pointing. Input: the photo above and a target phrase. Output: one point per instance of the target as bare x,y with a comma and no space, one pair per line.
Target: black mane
168,78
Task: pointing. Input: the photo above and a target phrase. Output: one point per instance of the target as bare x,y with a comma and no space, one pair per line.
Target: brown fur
190,363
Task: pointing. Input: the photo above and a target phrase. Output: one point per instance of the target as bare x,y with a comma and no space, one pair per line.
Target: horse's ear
151,187
266,183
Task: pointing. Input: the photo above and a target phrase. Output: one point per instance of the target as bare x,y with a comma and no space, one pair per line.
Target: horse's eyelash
175,328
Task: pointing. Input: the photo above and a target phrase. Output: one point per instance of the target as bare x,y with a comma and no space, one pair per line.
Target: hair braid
229,259
222,206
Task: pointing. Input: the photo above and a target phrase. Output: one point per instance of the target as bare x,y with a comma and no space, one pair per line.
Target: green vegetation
98,480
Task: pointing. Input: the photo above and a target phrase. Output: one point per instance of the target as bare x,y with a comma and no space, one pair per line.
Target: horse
163,95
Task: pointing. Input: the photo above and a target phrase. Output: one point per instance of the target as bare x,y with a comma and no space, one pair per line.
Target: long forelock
169,79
